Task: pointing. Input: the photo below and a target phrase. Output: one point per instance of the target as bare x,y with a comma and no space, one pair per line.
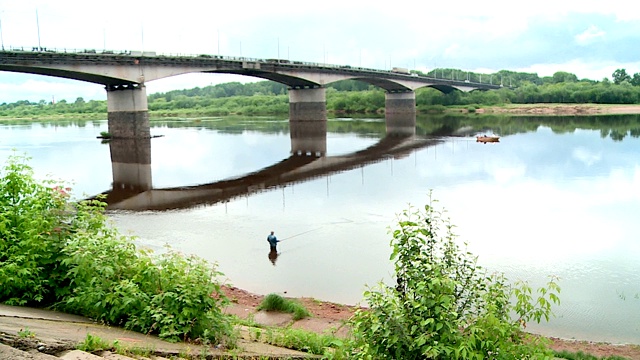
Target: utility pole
38,26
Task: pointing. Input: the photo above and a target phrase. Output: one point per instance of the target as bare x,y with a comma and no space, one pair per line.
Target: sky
588,38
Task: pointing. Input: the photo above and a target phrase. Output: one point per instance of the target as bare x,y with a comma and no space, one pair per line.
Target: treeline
616,127
355,97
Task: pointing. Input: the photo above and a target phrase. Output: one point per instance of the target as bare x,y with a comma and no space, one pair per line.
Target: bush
275,302
444,305
32,234
63,254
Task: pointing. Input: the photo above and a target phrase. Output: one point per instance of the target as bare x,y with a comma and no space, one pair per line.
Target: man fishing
273,241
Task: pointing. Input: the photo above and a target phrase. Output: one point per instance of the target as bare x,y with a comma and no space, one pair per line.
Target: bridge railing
138,53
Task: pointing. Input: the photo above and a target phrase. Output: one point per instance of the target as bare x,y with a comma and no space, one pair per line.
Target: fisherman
273,241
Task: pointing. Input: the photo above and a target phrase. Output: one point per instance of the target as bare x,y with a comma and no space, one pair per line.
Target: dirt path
331,317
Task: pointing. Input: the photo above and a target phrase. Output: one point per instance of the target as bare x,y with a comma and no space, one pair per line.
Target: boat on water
486,139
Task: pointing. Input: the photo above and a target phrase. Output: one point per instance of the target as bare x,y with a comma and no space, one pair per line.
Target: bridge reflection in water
133,186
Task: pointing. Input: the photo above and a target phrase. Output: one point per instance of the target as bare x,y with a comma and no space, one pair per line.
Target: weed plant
63,254
275,302
298,339
93,344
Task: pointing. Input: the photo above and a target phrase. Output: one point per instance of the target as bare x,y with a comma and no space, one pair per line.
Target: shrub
275,302
444,305
58,253
32,233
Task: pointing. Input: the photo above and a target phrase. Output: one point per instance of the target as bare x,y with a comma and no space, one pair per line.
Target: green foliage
301,340
32,232
58,253
26,333
620,75
275,302
445,306
93,344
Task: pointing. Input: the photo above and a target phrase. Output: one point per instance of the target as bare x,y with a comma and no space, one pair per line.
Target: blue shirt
272,240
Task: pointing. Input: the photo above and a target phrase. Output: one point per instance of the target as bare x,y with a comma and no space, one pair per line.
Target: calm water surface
541,202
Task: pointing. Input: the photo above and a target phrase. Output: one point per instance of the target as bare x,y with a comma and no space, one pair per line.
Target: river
556,196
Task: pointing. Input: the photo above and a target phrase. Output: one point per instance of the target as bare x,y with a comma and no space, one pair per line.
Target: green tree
620,75
444,305
562,76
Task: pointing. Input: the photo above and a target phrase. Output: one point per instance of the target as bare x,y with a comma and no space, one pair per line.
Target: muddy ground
331,316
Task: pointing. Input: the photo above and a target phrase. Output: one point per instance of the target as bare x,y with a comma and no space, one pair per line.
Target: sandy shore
560,109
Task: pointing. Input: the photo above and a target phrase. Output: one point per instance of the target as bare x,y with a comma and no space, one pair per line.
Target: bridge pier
400,103
308,121
128,115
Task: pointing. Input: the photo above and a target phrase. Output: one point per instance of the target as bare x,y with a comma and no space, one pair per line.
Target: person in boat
273,241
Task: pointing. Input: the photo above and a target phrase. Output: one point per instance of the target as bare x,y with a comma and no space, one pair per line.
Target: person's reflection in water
273,256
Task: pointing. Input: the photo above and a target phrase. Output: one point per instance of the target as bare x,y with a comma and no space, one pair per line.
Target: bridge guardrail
138,53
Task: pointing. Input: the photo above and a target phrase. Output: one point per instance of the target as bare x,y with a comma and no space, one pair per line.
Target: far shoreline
539,109
557,109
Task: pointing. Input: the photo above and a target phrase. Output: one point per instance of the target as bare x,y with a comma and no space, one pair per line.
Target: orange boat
485,139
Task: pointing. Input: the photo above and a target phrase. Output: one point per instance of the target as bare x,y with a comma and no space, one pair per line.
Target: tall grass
275,302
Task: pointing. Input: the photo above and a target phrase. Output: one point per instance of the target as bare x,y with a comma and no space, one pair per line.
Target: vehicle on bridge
400,70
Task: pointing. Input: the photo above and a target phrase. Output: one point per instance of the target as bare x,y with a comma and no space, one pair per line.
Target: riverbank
559,109
331,318
505,109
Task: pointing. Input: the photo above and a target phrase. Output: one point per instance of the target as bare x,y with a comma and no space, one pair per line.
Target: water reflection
273,256
133,188
130,167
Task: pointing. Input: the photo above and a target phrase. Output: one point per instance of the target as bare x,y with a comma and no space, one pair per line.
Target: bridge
124,74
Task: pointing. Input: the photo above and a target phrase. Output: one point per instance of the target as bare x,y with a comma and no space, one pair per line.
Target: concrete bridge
125,73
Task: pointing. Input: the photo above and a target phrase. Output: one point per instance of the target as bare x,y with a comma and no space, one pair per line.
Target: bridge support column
400,103
308,121
128,115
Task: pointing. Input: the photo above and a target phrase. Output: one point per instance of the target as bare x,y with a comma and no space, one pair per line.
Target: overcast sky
588,38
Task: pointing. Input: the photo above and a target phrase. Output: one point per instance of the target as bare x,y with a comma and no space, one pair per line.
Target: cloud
590,35
36,88
593,35
586,156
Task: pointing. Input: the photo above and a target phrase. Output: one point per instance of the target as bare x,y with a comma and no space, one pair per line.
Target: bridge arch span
124,75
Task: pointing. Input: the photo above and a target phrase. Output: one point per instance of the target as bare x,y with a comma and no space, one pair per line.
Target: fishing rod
302,233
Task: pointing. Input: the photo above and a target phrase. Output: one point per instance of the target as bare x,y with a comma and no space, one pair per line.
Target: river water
556,196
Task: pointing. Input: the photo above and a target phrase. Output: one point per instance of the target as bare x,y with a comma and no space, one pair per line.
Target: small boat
485,139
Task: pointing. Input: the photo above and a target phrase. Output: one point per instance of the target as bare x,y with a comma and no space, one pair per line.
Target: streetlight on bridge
38,26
